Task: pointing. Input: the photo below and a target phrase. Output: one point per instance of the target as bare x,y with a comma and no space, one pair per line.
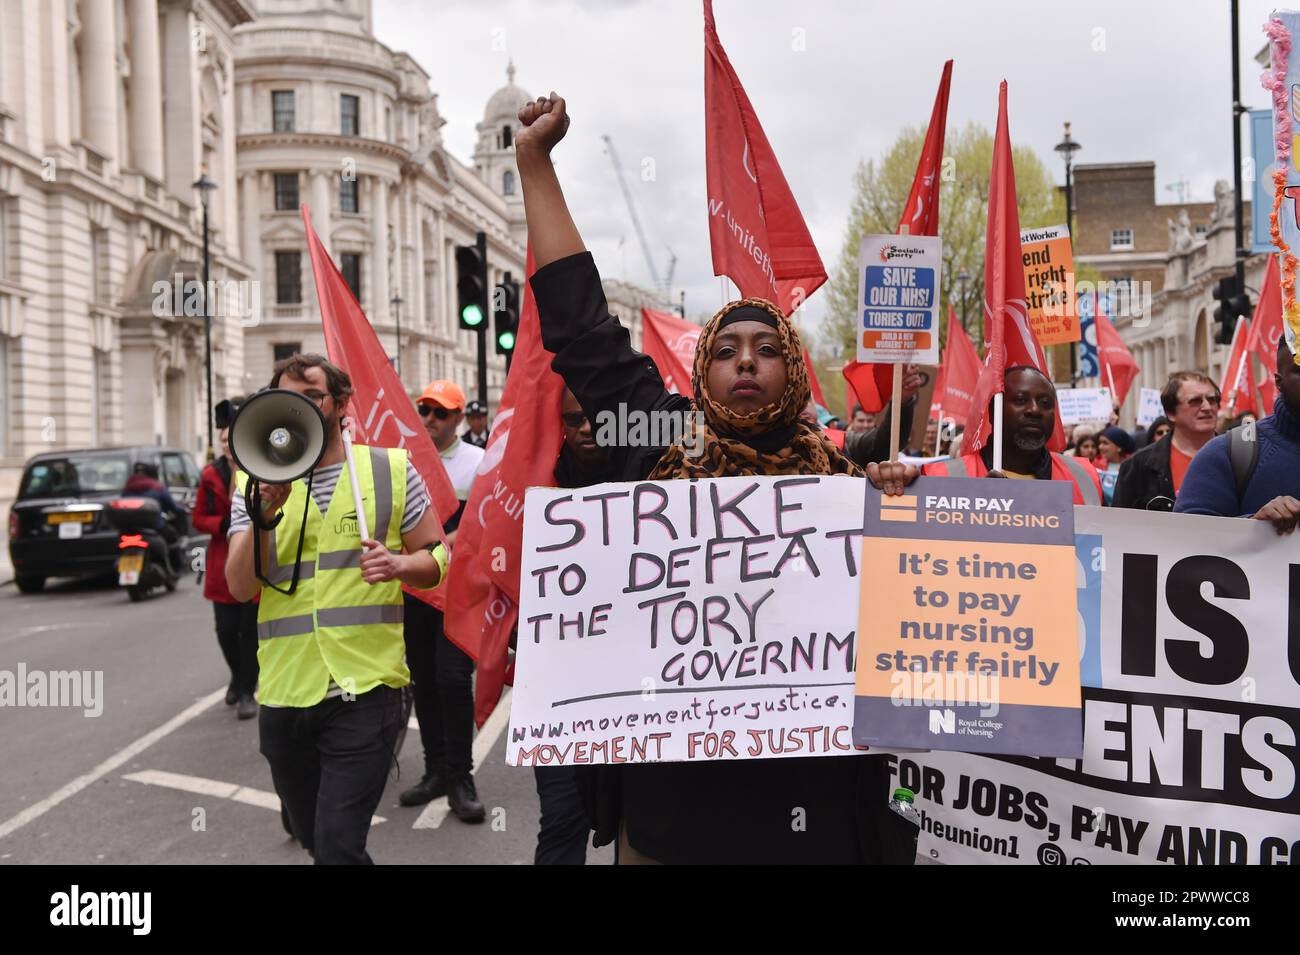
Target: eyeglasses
1197,400
316,396
574,419
442,414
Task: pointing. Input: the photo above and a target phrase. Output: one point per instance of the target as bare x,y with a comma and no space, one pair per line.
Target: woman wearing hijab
749,384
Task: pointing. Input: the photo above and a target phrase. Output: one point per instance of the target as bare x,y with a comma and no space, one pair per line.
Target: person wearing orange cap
441,673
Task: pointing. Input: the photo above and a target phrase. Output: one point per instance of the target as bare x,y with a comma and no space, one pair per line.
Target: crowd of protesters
750,387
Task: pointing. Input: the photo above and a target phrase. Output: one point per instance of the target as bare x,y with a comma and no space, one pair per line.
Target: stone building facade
97,205
331,117
110,110
1177,252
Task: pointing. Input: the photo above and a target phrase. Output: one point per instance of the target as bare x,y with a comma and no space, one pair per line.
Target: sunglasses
1197,400
442,414
574,419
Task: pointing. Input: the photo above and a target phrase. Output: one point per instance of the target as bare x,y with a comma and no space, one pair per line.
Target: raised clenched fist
545,122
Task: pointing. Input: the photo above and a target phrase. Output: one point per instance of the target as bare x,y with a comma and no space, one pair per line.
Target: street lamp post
205,185
962,278
1067,147
396,302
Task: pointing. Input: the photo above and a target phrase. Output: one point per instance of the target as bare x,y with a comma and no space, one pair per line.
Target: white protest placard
1149,407
898,298
1084,405
687,620
1191,712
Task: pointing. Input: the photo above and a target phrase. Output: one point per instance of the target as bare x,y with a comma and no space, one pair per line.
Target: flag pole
896,397
997,431
362,529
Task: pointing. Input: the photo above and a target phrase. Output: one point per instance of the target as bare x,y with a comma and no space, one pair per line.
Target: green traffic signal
506,340
472,316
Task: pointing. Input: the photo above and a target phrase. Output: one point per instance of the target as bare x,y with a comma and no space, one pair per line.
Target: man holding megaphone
328,556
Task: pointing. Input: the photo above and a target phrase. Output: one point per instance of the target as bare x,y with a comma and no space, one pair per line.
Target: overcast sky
1138,80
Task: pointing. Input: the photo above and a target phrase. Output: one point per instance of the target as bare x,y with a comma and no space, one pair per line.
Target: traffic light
1234,303
505,315
471,283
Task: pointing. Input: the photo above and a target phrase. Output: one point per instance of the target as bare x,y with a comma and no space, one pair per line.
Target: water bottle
902,804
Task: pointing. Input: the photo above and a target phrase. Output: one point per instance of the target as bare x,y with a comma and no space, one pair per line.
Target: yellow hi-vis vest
335,626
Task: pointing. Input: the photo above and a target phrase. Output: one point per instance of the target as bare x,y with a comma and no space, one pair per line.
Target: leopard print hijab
733,444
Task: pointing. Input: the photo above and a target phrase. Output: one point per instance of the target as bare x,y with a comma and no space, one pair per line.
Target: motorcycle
143,559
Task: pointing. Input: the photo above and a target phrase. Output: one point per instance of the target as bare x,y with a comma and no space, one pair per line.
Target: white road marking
437,811
215,787
124,755
26,632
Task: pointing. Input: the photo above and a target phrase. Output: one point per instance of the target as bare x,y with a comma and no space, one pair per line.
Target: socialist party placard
898,298
968,634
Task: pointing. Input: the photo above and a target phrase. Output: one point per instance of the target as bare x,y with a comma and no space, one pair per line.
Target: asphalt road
166,774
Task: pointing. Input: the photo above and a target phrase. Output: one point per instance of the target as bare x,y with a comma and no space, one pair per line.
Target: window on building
349,200
288,278
1200,228
505,137
508,183
100,389
286,191
282,350
349,115
6,403
4,237
350,266
282,115
1121,239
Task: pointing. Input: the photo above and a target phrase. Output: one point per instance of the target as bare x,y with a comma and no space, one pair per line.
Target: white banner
1191,696
687,620
1084,405
1149,407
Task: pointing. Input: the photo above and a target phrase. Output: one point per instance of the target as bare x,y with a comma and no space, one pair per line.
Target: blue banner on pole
1264,162
1089,366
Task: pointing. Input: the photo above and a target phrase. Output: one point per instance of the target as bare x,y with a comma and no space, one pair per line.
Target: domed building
494,156
331,117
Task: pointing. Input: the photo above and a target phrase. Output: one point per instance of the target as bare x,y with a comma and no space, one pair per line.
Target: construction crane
663,286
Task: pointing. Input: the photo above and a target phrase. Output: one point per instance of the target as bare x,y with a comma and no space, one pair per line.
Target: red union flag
921,213
483,584
670,343
1238,395
958,373
870,383
382,414
1011,340
1118,366
1265,330
756,231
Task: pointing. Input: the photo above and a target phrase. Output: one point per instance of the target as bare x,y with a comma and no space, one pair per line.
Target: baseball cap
445,394
476,407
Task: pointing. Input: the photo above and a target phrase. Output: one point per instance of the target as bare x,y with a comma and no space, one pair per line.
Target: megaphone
277,436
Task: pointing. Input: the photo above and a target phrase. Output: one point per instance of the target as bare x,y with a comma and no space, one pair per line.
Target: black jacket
738,811
1145,480
863,447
